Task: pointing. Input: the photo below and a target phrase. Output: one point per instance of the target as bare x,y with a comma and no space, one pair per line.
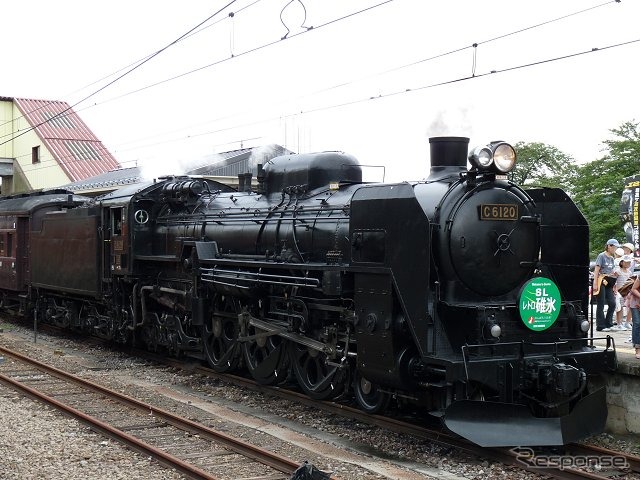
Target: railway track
577,461
574,462
193,449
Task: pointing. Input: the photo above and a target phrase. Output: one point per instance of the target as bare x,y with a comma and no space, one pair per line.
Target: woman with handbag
634,306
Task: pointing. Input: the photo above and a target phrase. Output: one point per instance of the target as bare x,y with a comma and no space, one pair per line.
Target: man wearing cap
603,287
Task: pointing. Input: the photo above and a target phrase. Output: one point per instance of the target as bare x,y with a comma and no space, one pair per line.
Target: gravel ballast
375,453
37,442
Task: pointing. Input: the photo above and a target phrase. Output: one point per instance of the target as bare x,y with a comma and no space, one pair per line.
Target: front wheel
369,396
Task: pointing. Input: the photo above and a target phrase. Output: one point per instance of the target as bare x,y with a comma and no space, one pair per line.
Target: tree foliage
541,165
597,186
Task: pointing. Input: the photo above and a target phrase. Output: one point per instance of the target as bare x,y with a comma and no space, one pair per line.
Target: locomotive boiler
463,295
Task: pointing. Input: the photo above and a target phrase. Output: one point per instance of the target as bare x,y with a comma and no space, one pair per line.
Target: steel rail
501,455
265,457
95,424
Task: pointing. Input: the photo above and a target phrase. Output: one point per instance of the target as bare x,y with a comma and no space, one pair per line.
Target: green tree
597,186
541,165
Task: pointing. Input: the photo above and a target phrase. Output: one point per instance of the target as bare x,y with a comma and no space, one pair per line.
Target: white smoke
260,155
450,122
175,163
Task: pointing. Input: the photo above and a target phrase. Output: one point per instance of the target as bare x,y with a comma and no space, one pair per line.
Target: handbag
633,301
626,286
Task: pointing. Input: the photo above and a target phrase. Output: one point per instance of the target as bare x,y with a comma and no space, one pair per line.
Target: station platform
628,364
623,386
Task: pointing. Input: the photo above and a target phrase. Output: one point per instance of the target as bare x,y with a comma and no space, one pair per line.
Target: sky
373,78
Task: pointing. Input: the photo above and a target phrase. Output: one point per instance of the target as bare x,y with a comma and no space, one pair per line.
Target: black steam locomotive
463,295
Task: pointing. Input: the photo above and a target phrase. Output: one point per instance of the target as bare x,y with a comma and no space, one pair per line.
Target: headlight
481,157
497,157
504,157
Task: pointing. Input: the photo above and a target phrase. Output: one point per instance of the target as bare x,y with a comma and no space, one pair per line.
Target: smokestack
448,156
247,181
260,178
241,182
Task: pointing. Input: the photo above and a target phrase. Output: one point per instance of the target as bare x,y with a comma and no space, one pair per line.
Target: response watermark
527,456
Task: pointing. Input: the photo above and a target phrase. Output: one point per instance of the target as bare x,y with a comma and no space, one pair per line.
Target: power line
466,47
433,57
135,62
246,52
402,92
122,75
462,79
196,70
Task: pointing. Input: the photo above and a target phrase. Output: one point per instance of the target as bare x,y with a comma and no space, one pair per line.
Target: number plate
493,211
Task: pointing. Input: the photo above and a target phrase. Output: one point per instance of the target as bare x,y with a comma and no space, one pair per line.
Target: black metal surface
564,246
310,171
495,424
65,254
394,211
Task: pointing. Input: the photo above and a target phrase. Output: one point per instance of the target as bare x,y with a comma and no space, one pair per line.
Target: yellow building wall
27,175
6,128
44,174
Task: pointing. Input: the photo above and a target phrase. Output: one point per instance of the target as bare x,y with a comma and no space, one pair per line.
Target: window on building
35,154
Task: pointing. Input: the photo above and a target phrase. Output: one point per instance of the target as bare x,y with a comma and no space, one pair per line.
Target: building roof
73,145
126,176
107,181
223,159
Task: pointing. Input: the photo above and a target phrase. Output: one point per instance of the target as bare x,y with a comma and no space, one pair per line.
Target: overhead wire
433,57
246,52
350,15
131,64
388,94
343,84
405,91
129,71
308,29
302,25
466,47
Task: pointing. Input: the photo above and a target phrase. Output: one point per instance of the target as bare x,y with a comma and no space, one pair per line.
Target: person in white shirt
622,272
629,250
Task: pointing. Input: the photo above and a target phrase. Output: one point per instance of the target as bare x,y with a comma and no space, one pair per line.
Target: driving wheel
220,338
266,357
316,377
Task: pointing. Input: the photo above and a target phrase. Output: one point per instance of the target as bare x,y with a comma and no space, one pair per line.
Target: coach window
116,220
9,245
2,253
